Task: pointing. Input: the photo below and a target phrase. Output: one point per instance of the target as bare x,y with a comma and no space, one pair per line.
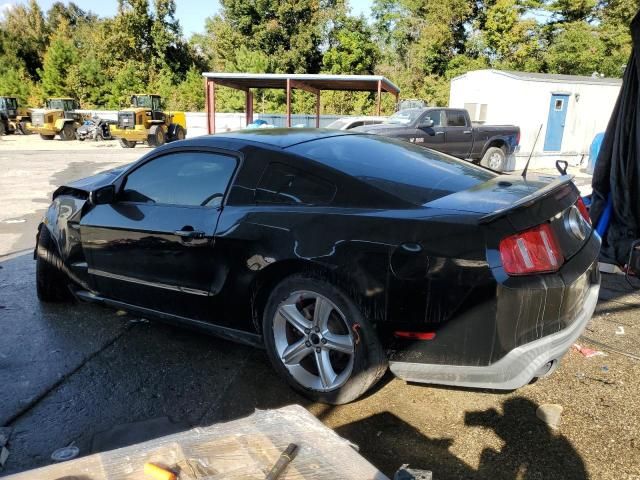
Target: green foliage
59,61
419,44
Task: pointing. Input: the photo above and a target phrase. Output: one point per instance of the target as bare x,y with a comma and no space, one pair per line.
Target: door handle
467,132
439,133
189,233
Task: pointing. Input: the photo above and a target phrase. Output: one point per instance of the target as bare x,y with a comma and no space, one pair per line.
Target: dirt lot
70,373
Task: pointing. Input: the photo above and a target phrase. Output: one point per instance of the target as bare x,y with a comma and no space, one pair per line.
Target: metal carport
313,83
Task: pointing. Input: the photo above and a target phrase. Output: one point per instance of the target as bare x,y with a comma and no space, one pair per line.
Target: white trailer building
569,109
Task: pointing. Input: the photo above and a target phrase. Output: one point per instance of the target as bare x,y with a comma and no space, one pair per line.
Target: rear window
409,172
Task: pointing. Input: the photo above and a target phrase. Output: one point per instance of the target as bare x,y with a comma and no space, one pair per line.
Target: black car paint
468,142
434,267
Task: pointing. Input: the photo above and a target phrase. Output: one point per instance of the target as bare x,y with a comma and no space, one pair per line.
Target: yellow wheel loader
12,117
145,122
59,117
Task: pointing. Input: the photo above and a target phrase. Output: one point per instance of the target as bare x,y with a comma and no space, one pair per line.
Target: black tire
67,133
47,137
51,281
369,359
494,158
81,139
22,128
157,136
124,143
179,133
3,128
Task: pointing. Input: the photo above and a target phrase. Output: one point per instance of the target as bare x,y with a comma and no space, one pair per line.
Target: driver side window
436,116
182,178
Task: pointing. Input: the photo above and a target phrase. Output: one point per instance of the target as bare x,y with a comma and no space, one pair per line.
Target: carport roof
244,81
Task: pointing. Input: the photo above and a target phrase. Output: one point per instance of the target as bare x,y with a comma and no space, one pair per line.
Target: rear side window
283,184
456,118
182,178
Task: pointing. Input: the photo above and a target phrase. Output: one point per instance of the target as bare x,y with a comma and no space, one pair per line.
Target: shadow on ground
85,374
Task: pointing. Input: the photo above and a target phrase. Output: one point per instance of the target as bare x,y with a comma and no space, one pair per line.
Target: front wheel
47,137
124,143
319,342
494,158
67,133
51,281
157,136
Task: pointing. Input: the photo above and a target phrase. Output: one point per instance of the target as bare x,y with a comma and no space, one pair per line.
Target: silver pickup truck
449,130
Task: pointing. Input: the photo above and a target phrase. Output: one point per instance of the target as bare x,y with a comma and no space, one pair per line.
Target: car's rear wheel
124,143
51,281
494,158
319,342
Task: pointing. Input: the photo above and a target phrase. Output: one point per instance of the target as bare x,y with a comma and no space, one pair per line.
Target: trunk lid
509,204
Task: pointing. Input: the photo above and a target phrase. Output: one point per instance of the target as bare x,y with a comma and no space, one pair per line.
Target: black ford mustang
341,253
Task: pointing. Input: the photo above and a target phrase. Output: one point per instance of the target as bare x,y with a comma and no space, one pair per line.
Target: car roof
282,137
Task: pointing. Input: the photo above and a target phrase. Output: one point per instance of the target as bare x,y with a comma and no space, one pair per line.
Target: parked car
449,130
340,253
347,123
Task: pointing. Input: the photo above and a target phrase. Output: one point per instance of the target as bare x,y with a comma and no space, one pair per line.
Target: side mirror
428,123
103,195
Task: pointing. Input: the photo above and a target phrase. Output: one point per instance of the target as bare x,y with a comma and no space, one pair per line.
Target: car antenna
526,167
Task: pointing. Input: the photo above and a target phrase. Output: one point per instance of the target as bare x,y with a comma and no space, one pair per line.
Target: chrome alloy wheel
495,161
313,341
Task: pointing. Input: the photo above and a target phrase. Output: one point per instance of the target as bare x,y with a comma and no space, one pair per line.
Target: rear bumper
516,369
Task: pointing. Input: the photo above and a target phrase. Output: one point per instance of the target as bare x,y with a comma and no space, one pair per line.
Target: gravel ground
71,372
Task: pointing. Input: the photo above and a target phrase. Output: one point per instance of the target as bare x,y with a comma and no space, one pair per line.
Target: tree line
418,44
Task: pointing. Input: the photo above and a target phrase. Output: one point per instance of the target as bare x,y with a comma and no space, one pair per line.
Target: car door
152,246
458,134
429,130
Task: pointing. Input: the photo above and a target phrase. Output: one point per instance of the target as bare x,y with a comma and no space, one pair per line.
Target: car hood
88,184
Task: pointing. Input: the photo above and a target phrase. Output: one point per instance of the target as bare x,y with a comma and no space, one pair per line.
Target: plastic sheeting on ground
617,170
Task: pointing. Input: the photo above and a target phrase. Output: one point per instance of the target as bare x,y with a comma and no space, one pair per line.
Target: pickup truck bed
449,130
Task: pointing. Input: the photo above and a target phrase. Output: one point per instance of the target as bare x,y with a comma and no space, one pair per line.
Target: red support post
318,109
249,106
288,102
379,97
210,94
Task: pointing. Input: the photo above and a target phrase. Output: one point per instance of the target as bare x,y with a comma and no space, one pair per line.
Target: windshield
59,104
142,101
338,124
404,116
11,103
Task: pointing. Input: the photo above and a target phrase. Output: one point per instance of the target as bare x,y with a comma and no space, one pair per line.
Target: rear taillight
532,251
518,138
583,210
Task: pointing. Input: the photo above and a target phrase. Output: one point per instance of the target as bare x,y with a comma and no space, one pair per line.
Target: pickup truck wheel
495,159
51,281
319,342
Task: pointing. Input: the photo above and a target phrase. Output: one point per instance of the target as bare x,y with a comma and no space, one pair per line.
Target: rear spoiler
525,201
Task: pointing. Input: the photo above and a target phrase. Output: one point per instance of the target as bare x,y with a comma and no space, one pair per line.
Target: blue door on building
555,122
